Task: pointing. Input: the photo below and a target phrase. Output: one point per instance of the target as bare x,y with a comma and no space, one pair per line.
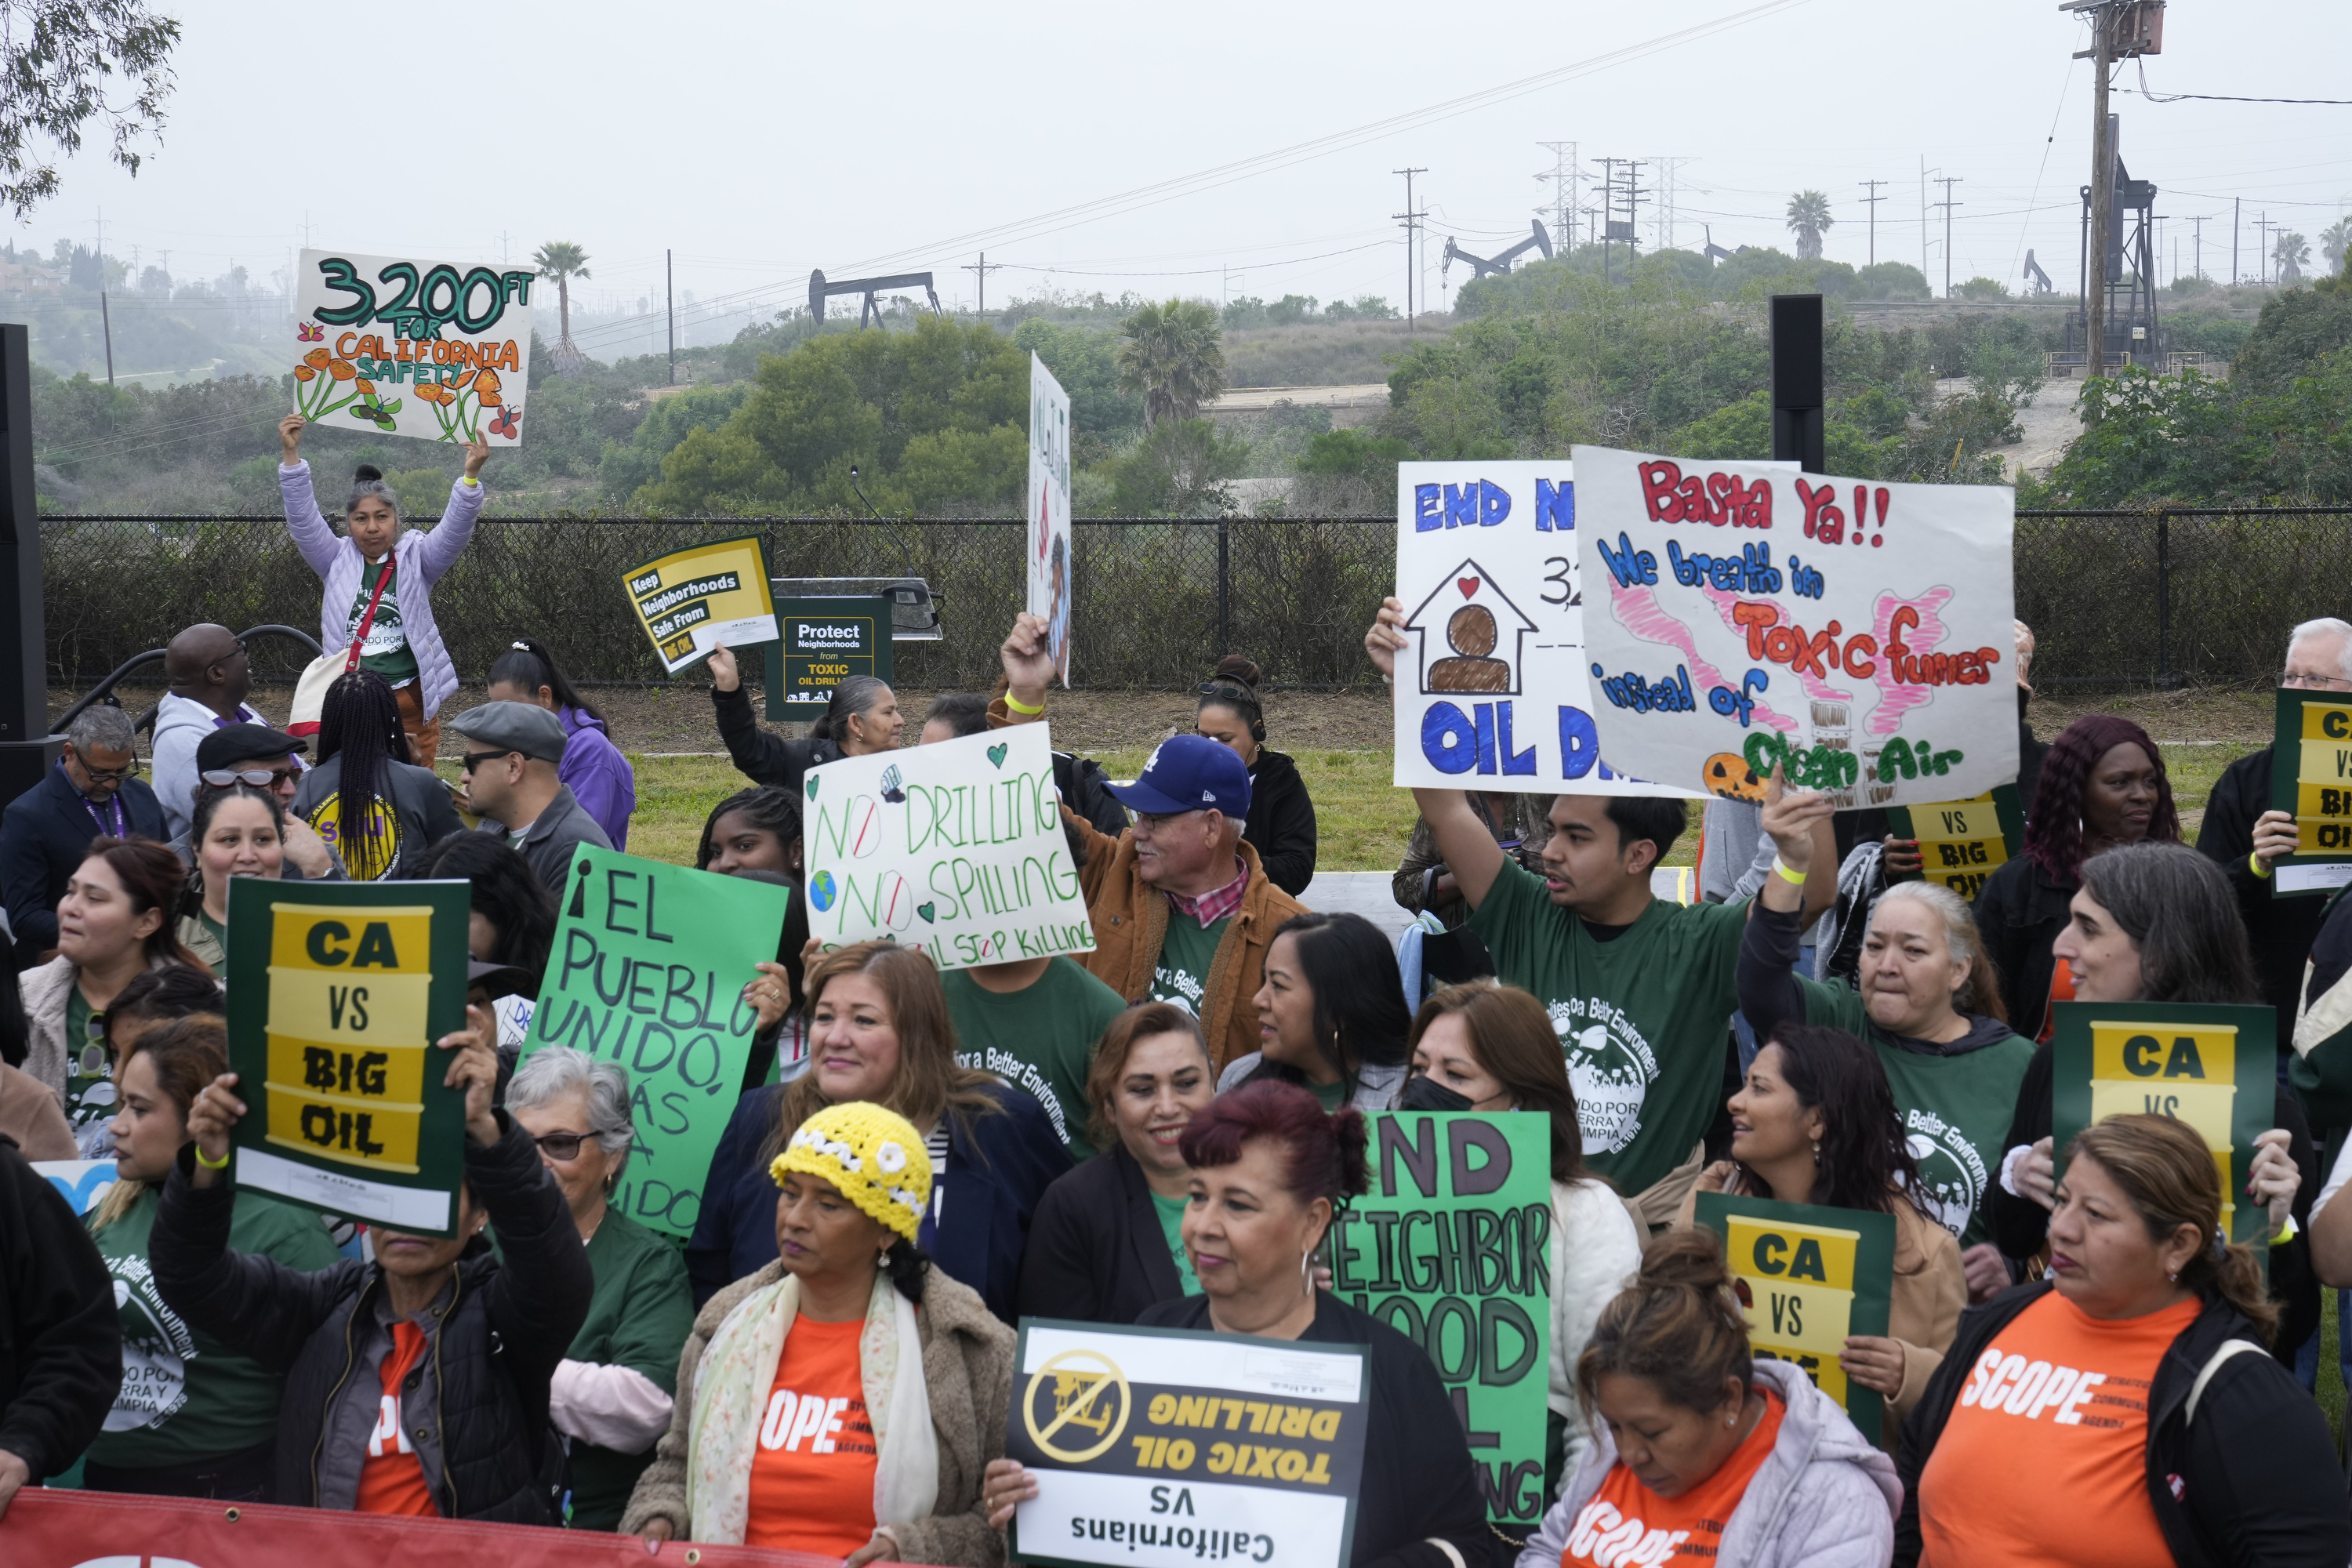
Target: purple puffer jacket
424,556
600,778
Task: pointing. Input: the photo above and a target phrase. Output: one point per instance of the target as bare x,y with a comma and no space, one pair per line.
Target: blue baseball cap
1189,773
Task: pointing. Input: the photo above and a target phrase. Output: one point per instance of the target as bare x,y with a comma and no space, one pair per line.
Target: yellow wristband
2283,1237
1781,868
2255,862
1017,706
219,1164
469,479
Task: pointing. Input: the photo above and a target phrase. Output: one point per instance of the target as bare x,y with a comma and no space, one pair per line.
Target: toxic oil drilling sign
410,346
1173,1449
1452,1247
691,600
337,992
1809,1278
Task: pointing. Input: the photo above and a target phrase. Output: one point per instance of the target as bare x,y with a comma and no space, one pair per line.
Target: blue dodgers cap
1189,773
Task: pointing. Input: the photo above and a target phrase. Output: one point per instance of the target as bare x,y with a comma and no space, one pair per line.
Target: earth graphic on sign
821,890
1609,1083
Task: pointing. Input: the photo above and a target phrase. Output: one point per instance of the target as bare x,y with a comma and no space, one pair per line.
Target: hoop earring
1306,1279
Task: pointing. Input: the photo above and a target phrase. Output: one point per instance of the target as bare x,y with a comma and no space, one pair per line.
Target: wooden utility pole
2103,196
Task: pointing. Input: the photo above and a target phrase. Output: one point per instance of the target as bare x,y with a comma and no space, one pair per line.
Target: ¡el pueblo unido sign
955,847
437,350
1491,694
1860,634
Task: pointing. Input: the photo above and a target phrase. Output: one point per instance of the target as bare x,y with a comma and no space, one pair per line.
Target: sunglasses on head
259,778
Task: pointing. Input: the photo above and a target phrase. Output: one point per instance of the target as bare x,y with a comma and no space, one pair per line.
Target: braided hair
2053,836
360,722
529,665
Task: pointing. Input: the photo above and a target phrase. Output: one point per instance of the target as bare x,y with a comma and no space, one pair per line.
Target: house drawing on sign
1481,631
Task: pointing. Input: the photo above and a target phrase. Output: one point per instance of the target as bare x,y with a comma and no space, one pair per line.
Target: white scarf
730,1394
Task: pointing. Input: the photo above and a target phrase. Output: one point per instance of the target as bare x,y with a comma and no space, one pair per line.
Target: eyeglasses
473,760
562,1146
259,778
2288,680
106,775
1153,821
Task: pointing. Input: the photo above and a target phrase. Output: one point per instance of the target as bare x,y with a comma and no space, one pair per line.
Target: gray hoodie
1823,1498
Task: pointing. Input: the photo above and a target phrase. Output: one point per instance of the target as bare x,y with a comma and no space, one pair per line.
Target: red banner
57,1529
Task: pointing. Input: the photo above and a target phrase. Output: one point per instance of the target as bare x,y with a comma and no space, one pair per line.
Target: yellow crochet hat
874,1155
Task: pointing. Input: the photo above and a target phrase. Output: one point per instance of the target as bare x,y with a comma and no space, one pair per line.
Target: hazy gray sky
761,140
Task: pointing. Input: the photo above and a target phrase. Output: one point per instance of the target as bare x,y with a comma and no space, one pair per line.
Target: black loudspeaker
26,747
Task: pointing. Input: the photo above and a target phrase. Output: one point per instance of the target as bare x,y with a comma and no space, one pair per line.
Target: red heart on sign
1468,585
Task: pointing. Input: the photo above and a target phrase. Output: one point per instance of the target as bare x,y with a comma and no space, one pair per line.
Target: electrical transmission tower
1664,201
1563,209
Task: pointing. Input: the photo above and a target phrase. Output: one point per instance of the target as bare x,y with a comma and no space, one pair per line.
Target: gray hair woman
612,1393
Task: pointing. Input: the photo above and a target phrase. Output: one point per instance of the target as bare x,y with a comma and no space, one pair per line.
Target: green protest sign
819,643
647,971
1962,842
337,991
2311,780
2211,1066
1808,1277
1452,1247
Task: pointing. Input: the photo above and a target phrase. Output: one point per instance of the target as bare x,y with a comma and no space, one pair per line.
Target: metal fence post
2163,602
1224,588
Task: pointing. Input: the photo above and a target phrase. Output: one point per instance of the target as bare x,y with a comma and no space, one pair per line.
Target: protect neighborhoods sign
691,600
1452,1248
2314,733
1858,634
1809,1278
820,644
955,847
1963,842
1048,549
1172,1448
412,346
337,992
1492,692
647,971
2211,1065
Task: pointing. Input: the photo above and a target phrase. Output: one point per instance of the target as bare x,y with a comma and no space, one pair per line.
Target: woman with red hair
2102,784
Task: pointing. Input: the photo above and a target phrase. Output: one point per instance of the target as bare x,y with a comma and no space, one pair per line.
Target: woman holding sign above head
1816,1123
1332,1014
1282,816
1106,1242
379,577
1929,1007
845,1399
1484,1047
2155,922
1269,1168
880,1030
416,1384
194,1418
1703,1452
611,1394
2102,785
2121,1410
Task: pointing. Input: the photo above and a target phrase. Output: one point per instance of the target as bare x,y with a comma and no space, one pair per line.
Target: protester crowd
2079,1366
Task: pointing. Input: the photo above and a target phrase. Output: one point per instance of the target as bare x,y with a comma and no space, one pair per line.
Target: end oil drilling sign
1452,1247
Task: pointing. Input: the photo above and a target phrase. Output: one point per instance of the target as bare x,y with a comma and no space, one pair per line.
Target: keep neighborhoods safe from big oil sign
1173,1448
1452,1247
691,600
1808,1276
337,991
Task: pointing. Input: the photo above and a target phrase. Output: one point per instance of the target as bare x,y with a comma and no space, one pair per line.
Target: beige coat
30,1118
1930,1291
967,1371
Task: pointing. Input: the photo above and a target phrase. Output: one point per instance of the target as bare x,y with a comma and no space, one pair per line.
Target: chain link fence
2189,597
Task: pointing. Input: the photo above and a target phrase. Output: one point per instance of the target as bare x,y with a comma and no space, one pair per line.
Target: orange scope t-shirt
391,1478
1627,1524
812,1472
2044,1458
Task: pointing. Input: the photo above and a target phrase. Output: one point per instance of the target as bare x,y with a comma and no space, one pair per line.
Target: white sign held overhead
1491,693
412,346
1861,635
1048,533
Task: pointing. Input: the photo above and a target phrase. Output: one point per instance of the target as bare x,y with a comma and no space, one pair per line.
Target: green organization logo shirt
1186,956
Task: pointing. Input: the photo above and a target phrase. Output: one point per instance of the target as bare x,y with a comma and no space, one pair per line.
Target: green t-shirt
1643,1019
220,929
1039,1040
1172,1225
183,1396
638,1317
90,1097
1187,954
1955,1110
386,650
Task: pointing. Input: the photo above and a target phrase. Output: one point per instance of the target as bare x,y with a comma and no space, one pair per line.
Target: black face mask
1422,1092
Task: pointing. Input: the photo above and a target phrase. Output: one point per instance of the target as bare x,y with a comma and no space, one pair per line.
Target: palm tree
563,261
2334,241
1808,215
2290,252
1174,355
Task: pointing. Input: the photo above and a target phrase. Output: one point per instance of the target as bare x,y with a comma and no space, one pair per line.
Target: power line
1410,225
1871,201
